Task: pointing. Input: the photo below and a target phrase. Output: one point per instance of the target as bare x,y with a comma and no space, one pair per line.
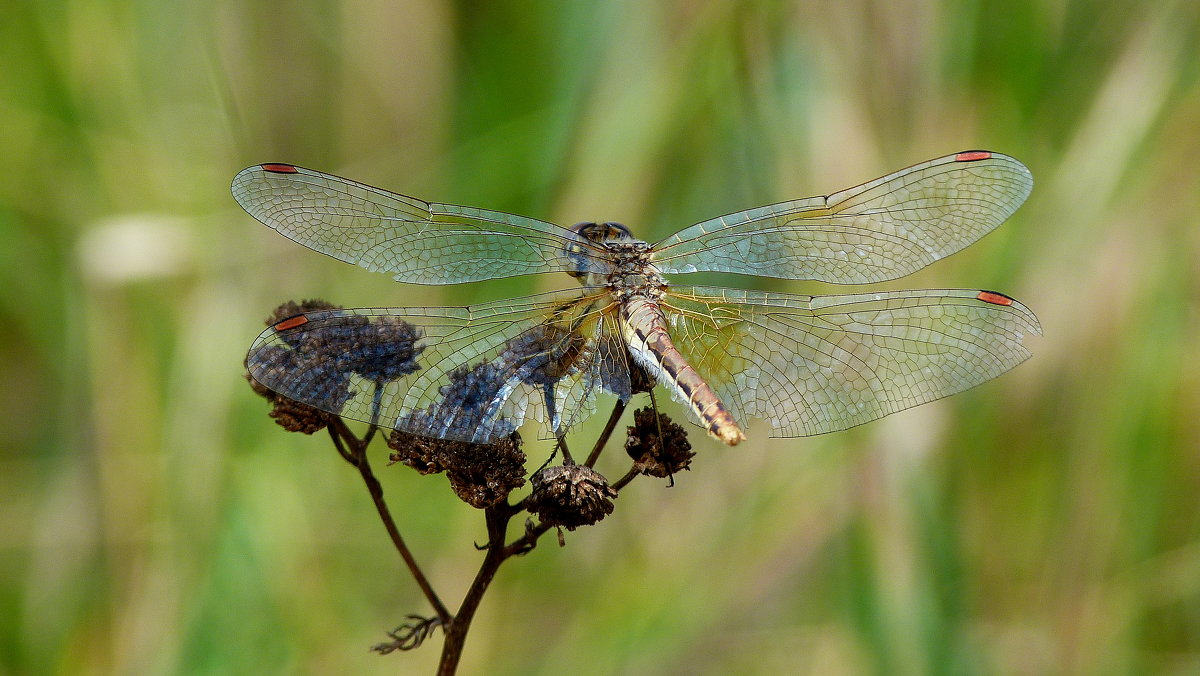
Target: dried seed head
379,348
570,496
654,456
484,474
318,354
480,474
292,415
384,349
296,417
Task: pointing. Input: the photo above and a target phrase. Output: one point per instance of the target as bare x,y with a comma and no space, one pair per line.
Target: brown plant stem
357,456
497,517
602,440
524,544
562,445
629,476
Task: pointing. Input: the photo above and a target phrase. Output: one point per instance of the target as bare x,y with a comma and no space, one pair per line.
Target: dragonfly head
599,233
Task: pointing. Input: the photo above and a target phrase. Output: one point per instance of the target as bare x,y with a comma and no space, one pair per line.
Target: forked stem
356,455
497,517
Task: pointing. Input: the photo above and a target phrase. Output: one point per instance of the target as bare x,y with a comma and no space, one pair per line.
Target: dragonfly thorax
633,274
584,256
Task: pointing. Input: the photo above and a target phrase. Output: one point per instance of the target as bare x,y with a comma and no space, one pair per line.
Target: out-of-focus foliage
154,520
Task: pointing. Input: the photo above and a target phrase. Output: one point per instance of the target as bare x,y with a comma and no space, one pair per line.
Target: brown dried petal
296,417
419,453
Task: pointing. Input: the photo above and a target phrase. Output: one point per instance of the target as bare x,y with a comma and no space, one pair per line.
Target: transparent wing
817,364
466,373
419,242
880,230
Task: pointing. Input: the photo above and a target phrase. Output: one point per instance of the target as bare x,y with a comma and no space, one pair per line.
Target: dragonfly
805,364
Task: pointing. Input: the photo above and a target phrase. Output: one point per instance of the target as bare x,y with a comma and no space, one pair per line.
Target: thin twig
629,476
567,459
455,627
608,430
370,434
341,448
657,416
456,632
376,401
409,635
526,543
357,456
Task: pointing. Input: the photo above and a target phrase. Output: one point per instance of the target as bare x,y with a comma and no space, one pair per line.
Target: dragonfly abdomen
648,340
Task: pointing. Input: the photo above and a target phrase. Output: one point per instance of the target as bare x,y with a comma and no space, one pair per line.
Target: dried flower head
292,415
480,474
318,354
655,455
383,350
570,496
379,348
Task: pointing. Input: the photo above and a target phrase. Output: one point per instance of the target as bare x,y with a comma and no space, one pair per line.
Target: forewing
880,230
817,364
416,241
467,373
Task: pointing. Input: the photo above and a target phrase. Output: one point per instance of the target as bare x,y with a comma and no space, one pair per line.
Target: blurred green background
154,520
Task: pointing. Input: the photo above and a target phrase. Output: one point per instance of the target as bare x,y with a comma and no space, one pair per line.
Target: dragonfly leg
657,414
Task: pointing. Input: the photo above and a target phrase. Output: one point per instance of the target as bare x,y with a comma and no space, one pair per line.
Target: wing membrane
881,230
467,373
419,242
817,364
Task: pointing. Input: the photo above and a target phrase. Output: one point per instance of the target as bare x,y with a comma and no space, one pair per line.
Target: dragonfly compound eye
579,254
